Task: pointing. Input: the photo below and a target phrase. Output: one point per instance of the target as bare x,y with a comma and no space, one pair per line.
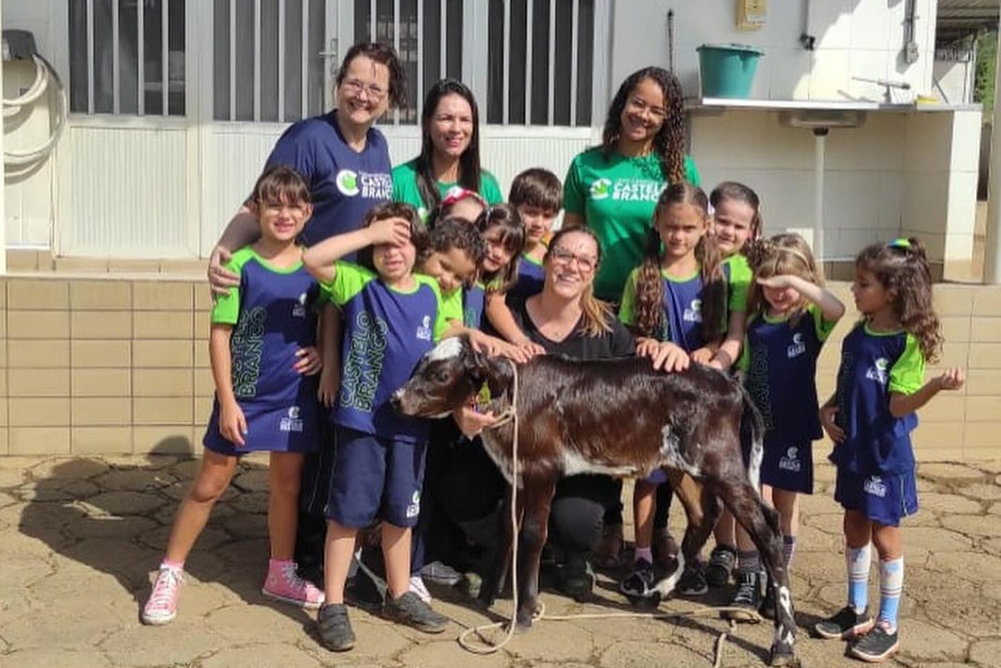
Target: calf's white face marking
449,348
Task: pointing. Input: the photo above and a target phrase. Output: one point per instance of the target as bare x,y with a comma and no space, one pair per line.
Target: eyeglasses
373,91
641,106
562,256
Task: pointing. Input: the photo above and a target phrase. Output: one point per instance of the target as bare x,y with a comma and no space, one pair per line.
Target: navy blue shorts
788,466
883,498
375,477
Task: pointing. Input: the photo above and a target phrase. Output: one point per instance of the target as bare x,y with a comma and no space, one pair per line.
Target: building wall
121,366
854,38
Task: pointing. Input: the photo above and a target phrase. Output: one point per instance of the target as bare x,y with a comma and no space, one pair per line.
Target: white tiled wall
854,38
897,174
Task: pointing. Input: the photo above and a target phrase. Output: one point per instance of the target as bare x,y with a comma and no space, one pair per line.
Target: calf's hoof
783,656
523,623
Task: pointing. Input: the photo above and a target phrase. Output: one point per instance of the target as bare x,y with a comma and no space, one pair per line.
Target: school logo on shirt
424,331
601,188
875,486
347,182
877,371
414,509
292,422
694,312
798,347
299,308
791,461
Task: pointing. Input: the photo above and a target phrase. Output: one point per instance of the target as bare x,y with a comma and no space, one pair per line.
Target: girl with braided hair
683,305
790,315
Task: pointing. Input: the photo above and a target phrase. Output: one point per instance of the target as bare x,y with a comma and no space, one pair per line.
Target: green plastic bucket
727,70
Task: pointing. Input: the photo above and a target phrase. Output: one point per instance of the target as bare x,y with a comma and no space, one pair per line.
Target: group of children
708,291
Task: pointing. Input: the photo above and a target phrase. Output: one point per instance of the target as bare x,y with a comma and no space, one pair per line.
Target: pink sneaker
284,584
161,607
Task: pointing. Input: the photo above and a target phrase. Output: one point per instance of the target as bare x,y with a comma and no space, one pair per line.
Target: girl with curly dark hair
450,151
870,419
613,188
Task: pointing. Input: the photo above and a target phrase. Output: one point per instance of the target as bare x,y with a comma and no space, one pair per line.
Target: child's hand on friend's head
779,282
309,361
232,423
836,433
951,379
330,381
392,231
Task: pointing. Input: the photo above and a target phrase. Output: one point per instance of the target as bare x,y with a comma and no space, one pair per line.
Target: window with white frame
268,59
127,57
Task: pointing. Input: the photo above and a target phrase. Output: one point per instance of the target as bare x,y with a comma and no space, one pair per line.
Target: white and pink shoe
161,608
284,584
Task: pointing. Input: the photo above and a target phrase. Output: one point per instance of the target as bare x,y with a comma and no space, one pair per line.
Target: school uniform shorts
375,478
885,498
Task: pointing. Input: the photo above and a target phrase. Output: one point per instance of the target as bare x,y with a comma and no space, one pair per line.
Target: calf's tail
752,424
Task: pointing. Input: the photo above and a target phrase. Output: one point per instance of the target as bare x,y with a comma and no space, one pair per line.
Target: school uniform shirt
780,364
343,183
617,197
874,364
273,317
681,323
405,187
473,300
386,332
531,279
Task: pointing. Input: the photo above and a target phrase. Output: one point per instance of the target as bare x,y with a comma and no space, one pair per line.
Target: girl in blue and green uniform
264,363
392,317
870,419
790,317
684,306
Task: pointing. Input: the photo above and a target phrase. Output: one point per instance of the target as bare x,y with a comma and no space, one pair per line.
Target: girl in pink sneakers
264,363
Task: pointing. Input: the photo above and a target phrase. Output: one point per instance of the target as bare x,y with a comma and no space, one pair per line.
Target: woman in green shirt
613,188
450,151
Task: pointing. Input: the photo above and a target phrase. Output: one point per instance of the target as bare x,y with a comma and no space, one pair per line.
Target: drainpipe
3,181
992,244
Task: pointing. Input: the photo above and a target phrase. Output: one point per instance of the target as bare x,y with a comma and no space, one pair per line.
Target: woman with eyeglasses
345,162
450,152
565,318
612,189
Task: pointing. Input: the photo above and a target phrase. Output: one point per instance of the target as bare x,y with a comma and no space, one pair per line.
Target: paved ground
79,537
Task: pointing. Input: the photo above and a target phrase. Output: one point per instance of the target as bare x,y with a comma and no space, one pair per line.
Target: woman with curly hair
613,188
870,419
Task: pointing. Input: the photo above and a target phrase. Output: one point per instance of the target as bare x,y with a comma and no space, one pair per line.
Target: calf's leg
537,497
493,584
702,511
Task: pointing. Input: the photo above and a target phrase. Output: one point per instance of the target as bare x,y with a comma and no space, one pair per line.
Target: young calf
615,417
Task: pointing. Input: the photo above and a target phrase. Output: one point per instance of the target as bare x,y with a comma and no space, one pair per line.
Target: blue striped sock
857,561
891,587
788,549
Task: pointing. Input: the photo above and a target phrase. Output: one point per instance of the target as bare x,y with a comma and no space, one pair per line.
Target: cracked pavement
80,537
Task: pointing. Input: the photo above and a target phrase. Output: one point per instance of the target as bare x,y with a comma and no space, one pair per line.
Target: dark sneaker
747,599
363,592
845,624
335,627
693,580
576,578
721,564
639,583
409,609
876,645
665,550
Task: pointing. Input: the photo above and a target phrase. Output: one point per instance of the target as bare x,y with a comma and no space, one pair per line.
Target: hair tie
900,242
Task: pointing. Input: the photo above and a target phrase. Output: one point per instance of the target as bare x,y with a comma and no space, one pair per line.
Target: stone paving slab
79,538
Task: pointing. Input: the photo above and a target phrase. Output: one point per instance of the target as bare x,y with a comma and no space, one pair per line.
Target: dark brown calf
616,417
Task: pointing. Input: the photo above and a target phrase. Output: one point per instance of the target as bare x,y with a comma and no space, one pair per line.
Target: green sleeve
692,172
907,374
627,309
451,306
739,282
822,327
349,280
573,190
490,189
744,361
226,309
